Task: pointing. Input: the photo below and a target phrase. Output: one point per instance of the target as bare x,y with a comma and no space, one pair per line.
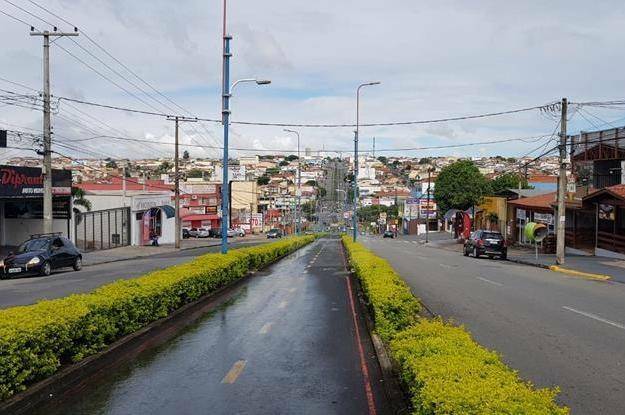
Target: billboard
20,182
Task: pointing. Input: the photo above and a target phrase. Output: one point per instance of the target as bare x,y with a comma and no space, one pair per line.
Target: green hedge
444,369
36,340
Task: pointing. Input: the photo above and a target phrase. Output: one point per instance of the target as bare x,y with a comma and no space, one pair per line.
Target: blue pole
225,113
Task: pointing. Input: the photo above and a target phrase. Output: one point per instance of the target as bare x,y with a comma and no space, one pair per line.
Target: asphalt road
285,344
28,290
554,329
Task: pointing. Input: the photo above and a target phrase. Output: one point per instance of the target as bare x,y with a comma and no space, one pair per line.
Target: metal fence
102,229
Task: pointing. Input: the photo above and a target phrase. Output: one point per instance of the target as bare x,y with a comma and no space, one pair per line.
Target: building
21,203
200,204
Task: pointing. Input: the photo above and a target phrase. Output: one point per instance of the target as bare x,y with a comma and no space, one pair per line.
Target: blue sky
435,59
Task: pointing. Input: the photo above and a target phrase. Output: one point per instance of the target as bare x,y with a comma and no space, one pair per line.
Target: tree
425,160
272,170
382,159
311,183
111,164
507,181
291,157
185,155
322,192
195,174
78,196
263,180
460,185
164,167
284,163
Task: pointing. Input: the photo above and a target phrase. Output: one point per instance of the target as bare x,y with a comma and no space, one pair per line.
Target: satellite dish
535,232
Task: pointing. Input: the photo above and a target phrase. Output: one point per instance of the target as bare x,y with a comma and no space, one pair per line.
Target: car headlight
34,261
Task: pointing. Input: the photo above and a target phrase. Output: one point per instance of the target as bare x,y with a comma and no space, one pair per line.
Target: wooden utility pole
177,120
46,171
562,183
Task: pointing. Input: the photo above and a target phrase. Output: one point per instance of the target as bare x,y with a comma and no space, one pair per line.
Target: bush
36,340
444,369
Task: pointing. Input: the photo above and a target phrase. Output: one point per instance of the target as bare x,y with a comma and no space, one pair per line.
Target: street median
36,340
443,369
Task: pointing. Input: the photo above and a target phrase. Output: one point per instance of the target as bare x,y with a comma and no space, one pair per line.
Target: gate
102,229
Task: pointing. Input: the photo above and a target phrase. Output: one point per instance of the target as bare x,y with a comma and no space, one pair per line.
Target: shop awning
170,212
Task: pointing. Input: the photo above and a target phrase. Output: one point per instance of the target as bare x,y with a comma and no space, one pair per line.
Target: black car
40,255
489,243
185,233
388,234
274,233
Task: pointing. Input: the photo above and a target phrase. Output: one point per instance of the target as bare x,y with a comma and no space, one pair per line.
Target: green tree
322,192
460,185
195,174
311,183
507,181
263,180
271,171
111,164
425,160
382,159
291,157
164,167
185,155
284,163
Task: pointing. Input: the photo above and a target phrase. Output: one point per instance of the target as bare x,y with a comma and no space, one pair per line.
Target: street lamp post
355,184
298,214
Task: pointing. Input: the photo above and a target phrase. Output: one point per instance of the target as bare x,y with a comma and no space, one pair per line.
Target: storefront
609,207
532,209
21,203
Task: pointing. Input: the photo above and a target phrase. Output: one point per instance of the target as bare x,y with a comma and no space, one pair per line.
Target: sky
434,59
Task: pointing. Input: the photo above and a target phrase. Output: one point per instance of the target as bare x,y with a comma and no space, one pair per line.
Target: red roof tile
540,201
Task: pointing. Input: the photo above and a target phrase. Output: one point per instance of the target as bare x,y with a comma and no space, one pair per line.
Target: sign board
28,182
210,210
147,202
520,214
257,220
198,188
546,218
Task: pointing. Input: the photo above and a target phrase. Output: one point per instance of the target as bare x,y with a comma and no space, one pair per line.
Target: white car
202,233
232,233
239,232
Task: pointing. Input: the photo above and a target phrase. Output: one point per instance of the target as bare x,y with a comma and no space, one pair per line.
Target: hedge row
444,369
36,340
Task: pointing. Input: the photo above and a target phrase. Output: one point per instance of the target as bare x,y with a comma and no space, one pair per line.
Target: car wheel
504,257
77,264
46,269
475,253
465,251
491,256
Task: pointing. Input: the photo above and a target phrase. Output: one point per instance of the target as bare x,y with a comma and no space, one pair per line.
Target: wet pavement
286,343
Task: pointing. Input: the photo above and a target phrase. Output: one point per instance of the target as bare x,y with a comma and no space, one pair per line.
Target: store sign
257,220
546,218
195,188
140,203
28,182
520,213
210,210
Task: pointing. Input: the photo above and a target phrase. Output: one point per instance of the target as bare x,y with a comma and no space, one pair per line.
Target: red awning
200,217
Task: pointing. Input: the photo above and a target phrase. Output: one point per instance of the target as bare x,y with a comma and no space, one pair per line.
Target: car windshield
492,235
33,245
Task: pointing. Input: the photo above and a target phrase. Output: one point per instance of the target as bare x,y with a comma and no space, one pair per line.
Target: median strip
444,370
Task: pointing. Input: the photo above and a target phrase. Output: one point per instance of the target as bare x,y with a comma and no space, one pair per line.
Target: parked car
185,233
489,243
193,232
388,234
202,233
274,233
40,255
231,233
239,232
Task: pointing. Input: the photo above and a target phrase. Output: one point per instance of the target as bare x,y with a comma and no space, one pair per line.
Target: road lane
520,313
285,344
23,291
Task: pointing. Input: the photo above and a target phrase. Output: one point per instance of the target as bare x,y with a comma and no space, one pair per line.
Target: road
23,291
554,329
284,344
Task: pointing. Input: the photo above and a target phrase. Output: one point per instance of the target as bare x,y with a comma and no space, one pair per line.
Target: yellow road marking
283,304
265,329
235,372
587,275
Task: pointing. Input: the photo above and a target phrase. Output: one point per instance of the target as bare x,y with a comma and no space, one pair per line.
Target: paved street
285,344
22,291
554,329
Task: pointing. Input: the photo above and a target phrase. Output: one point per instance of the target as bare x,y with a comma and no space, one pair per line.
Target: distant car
239,232
489,243
231,233
388,234
40,255
274,233
216,233
185,233
202,233
193,232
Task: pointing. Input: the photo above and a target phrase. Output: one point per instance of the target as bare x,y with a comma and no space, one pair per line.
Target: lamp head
263,81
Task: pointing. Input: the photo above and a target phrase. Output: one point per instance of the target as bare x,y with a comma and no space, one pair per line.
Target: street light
227,94
355,184
298,225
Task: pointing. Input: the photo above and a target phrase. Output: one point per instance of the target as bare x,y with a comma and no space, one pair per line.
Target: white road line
490,282
265,328
595,317
283,304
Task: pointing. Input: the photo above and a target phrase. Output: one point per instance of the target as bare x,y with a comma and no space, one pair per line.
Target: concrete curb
566,271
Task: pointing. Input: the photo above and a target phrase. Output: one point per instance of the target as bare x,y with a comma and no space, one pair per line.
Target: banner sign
28,182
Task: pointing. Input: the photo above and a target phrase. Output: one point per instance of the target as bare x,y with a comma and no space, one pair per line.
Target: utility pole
373,147
427,212
46,171
561,222
298,213
177,119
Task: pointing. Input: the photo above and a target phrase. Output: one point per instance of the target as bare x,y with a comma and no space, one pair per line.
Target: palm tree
79,201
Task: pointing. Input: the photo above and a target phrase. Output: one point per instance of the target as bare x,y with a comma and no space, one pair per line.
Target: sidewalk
133,252
598,266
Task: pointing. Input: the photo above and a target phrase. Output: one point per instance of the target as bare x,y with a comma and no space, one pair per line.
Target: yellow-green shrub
445,370
36,339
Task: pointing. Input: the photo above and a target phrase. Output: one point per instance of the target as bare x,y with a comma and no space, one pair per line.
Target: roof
543,201
543,178
618,191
